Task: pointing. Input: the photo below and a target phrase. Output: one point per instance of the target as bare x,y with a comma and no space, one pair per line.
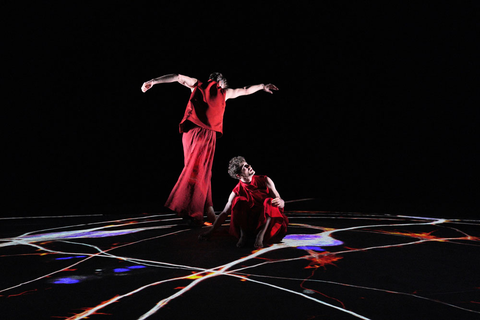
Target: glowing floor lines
248,276
107,223
360,287
315,246
100,253
223,271
307,297
213,273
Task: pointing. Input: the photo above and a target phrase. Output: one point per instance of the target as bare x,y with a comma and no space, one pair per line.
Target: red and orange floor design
331,265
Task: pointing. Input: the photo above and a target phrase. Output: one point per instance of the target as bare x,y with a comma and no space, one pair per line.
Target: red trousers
192,193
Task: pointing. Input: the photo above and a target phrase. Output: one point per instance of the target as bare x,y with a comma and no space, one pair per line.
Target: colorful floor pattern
331,265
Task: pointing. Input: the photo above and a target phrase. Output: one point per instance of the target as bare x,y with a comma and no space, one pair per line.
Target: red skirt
192,193
252,218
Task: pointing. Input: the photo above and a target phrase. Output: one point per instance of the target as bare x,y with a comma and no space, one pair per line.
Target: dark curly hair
217,76
235,166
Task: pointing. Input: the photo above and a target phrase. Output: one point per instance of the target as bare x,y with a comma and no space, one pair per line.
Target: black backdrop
377,108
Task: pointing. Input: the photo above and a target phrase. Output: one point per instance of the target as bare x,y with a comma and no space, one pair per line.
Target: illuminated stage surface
332,265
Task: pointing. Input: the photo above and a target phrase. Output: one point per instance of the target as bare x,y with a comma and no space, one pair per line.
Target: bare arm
278,201
228,205
235,93
169,78
220,219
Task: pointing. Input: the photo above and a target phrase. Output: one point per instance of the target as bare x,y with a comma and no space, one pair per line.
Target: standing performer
203,120
255,205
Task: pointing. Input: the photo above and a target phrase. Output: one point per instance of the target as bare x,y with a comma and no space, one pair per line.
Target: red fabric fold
251,207
192,193
205,108
202,121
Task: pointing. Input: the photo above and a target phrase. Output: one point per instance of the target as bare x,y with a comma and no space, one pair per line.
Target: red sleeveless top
205,107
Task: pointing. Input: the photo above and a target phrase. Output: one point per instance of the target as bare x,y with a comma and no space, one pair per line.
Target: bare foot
241,242
259,242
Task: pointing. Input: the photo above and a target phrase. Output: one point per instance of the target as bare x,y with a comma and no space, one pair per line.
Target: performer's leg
209,151
261,234
277,227
191,195
218,222
243,238
209,204
239,218
211,214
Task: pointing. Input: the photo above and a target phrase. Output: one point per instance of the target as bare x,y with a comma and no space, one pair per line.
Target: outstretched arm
220,218
277,201
169,78
235,93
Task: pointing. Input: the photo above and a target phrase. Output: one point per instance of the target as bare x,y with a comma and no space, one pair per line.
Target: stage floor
331,265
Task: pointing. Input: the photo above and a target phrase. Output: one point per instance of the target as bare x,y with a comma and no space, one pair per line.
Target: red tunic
203,120
205,107
251,207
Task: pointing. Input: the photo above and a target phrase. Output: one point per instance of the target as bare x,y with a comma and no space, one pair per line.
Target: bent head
218,77
238,168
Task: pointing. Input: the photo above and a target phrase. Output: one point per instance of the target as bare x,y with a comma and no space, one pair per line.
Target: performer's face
247,171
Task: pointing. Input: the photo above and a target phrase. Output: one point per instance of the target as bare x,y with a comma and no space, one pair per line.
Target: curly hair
235,166
217,76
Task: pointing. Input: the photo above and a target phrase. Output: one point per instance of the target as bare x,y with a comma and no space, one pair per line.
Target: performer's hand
269,87
278,202
146,85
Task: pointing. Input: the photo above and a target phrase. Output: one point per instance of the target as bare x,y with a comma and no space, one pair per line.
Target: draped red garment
205,108
203,120
251,207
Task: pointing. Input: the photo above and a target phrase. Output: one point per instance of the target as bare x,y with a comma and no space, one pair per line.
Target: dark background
377,108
